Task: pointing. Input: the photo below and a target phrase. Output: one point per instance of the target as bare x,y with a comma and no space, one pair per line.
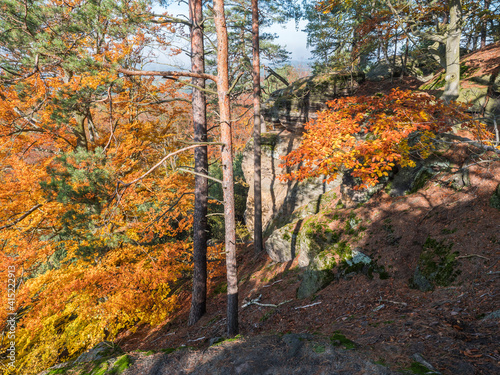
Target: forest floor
358,324
388,321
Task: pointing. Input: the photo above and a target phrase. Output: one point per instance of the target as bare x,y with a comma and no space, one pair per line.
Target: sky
293,39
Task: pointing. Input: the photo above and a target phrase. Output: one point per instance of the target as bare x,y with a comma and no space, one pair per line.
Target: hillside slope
428,301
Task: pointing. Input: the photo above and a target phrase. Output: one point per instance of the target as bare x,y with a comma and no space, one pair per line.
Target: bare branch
170,19
235,82
159,73
158,164
200,174
26,214
281,78
166,101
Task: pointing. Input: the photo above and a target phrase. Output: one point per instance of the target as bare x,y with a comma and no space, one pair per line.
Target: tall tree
446,35
257,224
200,225
227,166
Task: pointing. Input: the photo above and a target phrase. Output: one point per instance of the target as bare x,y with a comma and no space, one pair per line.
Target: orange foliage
93,255
371,135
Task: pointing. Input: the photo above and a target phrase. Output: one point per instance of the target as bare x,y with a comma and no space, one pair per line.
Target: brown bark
227,166
454,32
200,225
484,24
160,73
257,225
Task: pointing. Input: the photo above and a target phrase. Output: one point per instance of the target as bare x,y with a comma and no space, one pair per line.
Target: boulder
351,197
410,179
293,106
280,246
281,200
495,198
100,351
383,70
437,266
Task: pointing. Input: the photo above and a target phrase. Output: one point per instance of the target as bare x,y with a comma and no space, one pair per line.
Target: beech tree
447,34
95,229
370,135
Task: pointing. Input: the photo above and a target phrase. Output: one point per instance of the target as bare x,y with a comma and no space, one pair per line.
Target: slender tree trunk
257,222
227,166
452,79
200,226
484,25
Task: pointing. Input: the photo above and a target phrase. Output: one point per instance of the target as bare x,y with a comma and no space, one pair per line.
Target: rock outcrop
292,107
480,82
280,199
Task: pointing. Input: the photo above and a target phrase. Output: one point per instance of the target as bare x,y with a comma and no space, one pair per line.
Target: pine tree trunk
227,166
257,223
452,79
484,24
200,226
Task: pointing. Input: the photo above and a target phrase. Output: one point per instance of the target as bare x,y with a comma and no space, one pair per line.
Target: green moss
343,249
168,350
495,199
448,231
221,288
338,339
235,338
57,371
122,363
101,369
421,180
417,368
438,263
319,348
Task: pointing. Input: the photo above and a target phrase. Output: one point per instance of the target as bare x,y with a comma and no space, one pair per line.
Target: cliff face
280,199
285,114
292,107
293,211
480,82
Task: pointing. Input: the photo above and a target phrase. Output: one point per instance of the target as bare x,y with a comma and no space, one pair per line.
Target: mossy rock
409,180
495,198
102,350
314,280
296,104
437,266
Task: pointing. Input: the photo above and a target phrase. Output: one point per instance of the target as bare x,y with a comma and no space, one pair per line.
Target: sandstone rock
410,179
313,281
280,199
495,315
495,198
420,282
295,105
280,246
437,266
98,352
383,70
351,197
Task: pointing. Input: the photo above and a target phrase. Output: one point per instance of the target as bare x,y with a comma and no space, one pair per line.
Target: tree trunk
257,222
227,166
452,79
484,24
200,226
